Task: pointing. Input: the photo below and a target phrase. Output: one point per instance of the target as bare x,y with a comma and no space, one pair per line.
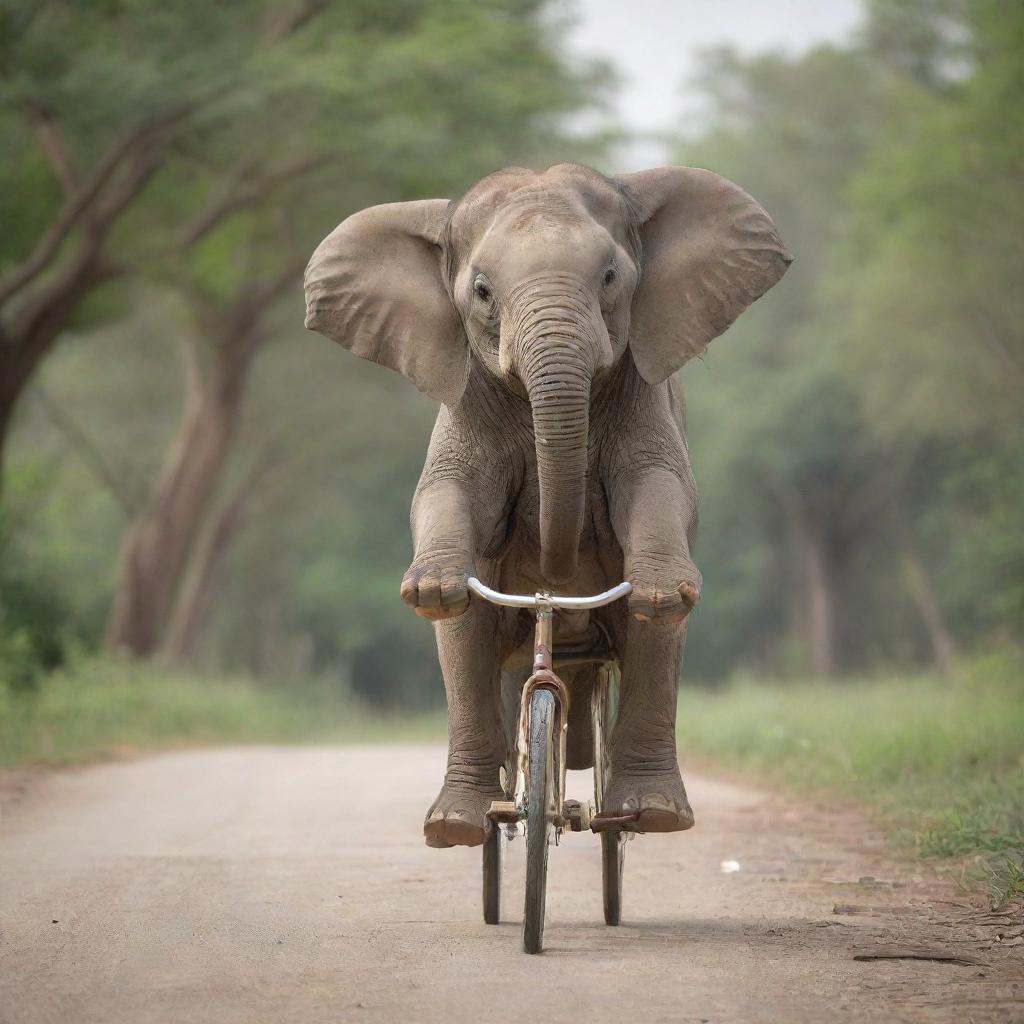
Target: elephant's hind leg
469,648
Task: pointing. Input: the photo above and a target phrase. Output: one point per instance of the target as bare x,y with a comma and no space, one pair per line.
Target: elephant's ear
375,285
709,250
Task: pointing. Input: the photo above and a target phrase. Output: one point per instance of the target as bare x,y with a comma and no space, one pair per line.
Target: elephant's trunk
560,426
556,355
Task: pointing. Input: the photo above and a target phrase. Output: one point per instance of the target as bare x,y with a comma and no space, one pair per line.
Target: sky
653,46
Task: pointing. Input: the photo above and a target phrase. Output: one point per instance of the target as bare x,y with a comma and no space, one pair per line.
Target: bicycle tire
492,858
539,797
613,844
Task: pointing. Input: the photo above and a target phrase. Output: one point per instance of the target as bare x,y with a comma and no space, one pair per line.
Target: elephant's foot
659,797
459,815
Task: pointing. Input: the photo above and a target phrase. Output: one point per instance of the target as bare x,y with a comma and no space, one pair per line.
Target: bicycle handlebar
530,600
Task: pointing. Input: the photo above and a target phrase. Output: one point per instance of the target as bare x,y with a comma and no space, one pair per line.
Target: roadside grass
100,707
940,759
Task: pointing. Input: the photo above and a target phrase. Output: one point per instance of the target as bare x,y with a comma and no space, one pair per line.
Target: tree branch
78,205
241,194
868,498
244,331
251,305
290,21
52,146
90,454
40,322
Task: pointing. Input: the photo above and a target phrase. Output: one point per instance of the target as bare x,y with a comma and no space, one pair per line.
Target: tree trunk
8,399
196,601
817,570
923,595
26,342
40,296
18,364
198,594
156,549
157,546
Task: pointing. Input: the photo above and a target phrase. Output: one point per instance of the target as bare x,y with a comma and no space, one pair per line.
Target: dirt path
273,884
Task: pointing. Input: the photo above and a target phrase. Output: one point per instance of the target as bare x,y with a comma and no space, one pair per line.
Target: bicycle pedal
613,822
504,811
577,815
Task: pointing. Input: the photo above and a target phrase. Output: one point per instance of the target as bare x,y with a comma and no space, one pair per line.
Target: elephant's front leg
444,535
653,512
645,771
469,649
447,518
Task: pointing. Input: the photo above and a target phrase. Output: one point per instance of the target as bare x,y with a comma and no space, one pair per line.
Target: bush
942,759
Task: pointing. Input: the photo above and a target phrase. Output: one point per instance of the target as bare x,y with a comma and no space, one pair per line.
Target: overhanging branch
77,206
243,193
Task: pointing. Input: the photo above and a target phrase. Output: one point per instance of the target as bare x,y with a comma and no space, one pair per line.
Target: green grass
941,760
100,707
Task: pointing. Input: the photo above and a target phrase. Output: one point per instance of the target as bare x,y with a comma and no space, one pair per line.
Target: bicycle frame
542,677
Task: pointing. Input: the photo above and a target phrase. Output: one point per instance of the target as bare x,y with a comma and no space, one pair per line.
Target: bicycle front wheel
613,844
540,798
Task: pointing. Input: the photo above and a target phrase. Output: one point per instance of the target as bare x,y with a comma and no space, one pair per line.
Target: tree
779,424
929,288
104,130
297,122
857,437
243,250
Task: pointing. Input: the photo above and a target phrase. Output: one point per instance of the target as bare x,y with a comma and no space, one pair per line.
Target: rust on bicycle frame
544,677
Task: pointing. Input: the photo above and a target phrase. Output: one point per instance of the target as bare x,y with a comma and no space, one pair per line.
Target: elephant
547,311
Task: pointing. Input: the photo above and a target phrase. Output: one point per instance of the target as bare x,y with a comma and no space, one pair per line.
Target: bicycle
537,782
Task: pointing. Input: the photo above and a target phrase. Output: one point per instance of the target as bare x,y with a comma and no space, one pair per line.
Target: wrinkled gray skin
547,311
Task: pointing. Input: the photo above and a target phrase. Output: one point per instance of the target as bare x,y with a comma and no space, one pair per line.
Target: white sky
653,45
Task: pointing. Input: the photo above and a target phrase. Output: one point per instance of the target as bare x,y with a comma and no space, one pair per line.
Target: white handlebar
530,600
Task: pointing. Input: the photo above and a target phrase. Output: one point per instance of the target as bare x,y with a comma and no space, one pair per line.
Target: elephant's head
542,281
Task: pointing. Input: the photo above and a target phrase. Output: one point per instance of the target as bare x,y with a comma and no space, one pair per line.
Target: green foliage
929,298
774,423
290,128
868,410
104,707
939,212
35,631
940,759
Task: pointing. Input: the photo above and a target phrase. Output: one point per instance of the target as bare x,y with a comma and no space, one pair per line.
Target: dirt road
291,884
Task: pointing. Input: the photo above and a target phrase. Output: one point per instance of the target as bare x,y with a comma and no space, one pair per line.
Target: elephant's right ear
376,286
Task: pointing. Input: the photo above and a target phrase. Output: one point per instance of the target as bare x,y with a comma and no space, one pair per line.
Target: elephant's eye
482,290
609,277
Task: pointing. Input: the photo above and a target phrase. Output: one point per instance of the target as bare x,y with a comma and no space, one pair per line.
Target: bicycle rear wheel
540,798
493,853
613,844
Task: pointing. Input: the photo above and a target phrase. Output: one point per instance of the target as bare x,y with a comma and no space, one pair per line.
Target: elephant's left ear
709,250
376,286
